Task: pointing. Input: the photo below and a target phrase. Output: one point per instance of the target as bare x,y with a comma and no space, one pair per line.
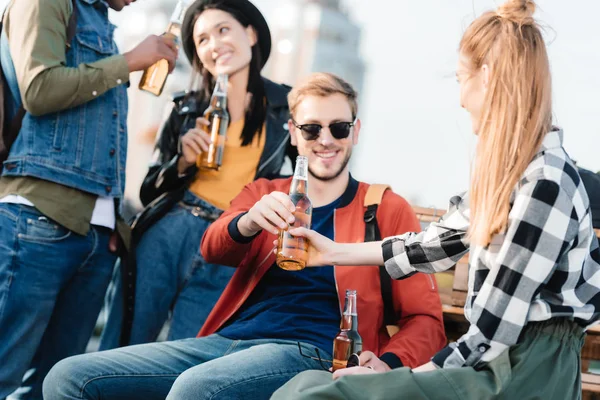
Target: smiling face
223,45
328,157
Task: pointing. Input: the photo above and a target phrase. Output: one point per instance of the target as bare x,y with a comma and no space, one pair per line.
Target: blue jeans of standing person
211,367
172,277
52,285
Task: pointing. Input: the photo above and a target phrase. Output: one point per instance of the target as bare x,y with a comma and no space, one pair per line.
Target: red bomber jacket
416,299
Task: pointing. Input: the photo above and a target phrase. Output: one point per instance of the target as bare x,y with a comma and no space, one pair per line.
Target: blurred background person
171,277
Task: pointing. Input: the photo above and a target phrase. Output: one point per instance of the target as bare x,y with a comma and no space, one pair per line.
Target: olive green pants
545,365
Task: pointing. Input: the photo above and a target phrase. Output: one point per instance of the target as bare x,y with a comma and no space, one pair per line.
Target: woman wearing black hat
219,37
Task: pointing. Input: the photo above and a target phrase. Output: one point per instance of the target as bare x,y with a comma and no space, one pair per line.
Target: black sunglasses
339,130
353,360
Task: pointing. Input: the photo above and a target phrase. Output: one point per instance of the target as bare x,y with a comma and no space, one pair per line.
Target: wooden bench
452,286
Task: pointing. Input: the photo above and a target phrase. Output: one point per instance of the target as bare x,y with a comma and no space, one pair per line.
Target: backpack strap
372,201
372,233
72,26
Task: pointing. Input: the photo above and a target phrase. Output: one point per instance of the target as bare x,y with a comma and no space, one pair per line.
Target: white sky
415,136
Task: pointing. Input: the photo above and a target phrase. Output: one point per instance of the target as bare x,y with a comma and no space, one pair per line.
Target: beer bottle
292,252
217,115
154,77
347,341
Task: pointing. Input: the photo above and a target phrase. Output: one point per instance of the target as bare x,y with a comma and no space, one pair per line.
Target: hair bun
518,11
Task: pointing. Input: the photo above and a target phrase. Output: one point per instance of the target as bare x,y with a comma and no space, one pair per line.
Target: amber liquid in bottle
218,117
348,340
292,252
155,76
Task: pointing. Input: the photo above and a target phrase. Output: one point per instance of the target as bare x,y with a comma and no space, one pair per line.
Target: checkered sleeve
542,226
435,249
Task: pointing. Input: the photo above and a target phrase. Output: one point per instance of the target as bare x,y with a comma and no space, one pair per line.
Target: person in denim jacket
165,272
62,180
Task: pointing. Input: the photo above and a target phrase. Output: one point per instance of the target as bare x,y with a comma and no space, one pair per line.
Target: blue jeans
172,277
52,284
211,367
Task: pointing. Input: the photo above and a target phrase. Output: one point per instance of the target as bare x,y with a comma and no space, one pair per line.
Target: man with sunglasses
271,324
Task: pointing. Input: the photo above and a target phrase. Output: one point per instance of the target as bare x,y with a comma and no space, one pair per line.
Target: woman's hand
353,371
193,143
369,364
321,250
370,360
425,367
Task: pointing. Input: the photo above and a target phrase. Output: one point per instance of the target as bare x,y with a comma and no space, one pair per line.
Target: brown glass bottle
217,115
348,340
155,76
292,252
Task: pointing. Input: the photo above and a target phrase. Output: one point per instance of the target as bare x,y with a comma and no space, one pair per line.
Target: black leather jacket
163,177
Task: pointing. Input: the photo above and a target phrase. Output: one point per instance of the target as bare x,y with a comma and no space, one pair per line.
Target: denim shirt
83,147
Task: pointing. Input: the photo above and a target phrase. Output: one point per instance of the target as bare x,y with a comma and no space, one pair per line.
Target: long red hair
517,110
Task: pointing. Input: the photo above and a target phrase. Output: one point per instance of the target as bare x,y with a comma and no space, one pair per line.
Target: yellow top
237,170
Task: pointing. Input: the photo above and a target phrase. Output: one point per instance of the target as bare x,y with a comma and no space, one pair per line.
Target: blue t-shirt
293,305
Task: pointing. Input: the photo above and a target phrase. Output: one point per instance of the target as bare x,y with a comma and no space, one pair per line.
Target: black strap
128,271
373,234
72,27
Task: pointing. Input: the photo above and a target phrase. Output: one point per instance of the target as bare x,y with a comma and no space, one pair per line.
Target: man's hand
193,143
151,50
369,364
353,371
274,212
369,359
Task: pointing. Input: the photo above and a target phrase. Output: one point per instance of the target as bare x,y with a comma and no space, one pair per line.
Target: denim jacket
83,147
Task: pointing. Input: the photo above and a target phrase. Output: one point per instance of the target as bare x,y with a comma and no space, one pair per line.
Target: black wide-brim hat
244,7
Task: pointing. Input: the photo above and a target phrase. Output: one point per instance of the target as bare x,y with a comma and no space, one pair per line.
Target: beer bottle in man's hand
154,77
292,252
217,115
347,341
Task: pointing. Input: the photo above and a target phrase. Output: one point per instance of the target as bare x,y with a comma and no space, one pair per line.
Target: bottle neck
218,102
299,185
349,322
174,28
179,12
301,170
219,95
350,316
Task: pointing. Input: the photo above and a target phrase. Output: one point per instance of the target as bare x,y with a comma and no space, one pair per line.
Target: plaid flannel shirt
546,264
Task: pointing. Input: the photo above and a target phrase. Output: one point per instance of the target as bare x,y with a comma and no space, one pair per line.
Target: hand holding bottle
193,143
151,50
321,249
155,73
272,212
324,251
292,252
